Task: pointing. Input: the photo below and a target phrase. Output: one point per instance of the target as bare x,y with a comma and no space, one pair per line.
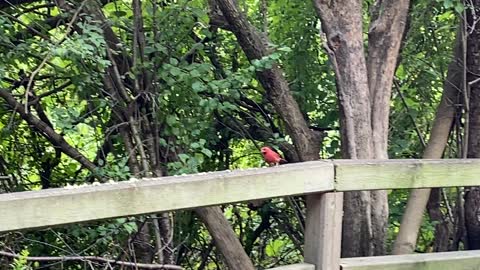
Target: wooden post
323,232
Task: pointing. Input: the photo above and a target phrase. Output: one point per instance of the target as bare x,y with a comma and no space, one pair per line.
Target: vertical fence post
323,232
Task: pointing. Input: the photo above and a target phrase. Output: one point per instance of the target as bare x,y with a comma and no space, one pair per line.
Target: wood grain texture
297,266
459,260
34,209
353,175
323,230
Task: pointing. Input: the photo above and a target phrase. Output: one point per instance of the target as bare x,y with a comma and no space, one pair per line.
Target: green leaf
175,71
130,227
183,157
171,120
119,13
198,86
195,73
207,152
447,3
273,248
173,61
459,7
195,145
400,73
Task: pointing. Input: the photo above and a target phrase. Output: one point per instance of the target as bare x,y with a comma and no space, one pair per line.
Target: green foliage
21,263
457,5
420,77
194,87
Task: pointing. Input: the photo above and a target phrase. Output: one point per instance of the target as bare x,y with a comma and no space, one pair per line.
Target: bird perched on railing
271,157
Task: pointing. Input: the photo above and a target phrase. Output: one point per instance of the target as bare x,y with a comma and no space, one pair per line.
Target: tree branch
46,131
36,28
11,3
93,258
384,41
255,46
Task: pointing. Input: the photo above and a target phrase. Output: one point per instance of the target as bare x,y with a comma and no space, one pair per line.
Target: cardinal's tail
282,161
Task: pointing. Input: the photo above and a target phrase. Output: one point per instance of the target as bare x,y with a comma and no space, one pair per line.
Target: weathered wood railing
322,181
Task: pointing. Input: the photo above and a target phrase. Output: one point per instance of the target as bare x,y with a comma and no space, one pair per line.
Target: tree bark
412,218
472,195
141,247
442,229
472,213
384,39
364,90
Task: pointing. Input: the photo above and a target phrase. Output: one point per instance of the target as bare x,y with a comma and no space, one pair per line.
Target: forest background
106,90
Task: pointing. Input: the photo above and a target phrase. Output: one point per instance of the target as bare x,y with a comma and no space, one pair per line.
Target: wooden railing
322,181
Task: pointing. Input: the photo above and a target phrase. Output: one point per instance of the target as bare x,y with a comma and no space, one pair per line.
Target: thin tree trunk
225,238
143,250
384,40
443,230
412,218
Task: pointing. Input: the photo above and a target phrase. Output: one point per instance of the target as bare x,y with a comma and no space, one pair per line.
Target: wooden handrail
57,206
34,209
455,260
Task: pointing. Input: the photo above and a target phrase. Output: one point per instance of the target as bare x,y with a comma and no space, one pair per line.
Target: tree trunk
442,229
364,90
412,218
384,40
140,243
472,196
472,214
344,34
225,238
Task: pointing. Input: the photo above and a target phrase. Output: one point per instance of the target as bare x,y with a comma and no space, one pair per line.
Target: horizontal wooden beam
298,266
49,207
353,175
459,260
61,206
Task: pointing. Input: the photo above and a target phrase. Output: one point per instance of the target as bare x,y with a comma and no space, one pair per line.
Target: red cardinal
272,157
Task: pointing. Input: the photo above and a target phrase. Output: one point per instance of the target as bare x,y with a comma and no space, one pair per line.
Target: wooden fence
322,181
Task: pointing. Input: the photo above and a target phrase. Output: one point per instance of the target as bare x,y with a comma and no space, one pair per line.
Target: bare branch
12,3
92,258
